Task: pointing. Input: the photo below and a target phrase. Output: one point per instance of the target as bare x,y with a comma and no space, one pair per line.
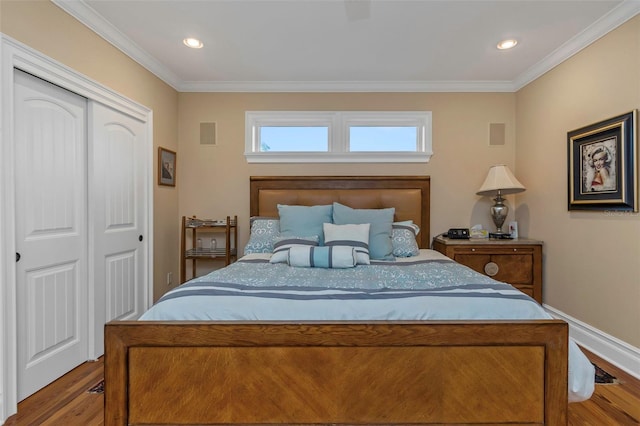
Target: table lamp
500,181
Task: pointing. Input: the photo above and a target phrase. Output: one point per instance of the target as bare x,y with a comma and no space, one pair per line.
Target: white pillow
351,235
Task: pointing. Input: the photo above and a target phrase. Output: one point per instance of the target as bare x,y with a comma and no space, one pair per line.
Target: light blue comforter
427,287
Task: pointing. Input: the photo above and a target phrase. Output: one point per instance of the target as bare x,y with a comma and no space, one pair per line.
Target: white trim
612,20
346,86
8,313
27,59
338,123
94,21
3,372
324,157
614,350
17,55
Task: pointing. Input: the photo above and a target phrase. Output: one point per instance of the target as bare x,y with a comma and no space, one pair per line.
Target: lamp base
500,235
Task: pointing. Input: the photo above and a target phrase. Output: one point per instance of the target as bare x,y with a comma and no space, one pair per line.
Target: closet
81,226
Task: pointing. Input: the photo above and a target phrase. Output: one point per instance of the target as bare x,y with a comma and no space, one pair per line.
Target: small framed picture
602,159
166,167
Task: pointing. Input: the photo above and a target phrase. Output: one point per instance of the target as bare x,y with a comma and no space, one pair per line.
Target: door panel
49,327
118,217
120,285
51,231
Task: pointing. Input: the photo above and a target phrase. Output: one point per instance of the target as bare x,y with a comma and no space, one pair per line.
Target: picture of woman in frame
598,165
602,164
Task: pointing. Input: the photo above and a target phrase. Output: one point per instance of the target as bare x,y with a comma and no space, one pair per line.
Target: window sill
325,157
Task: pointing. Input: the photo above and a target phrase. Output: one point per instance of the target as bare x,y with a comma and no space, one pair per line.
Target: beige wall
592,259
214,180
591,268
48,29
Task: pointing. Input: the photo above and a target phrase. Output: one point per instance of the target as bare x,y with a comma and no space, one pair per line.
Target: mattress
429,286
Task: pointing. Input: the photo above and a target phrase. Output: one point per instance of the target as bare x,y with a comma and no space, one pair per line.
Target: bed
283,366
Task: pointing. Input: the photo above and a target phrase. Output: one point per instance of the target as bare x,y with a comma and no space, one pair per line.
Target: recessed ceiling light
193,43
507,44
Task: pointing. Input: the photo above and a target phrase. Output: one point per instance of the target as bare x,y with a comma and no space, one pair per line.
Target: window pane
382,138
292,138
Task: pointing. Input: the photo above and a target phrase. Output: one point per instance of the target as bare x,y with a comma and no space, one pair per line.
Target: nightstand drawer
511,268
517,262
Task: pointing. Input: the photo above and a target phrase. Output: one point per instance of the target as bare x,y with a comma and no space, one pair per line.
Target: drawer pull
491,269
473,249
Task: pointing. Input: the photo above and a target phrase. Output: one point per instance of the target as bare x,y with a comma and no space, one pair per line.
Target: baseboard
614,350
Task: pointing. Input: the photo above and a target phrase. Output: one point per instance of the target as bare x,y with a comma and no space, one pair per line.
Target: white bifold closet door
80,222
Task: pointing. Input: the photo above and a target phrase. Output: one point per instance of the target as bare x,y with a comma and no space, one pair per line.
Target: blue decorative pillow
282,244
403,238
356,236
297,221
322,257
263,232
380,246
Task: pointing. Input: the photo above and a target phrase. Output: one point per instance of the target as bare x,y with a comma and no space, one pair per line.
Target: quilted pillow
403,238
282,244
322,257
263,232
380,246
356,236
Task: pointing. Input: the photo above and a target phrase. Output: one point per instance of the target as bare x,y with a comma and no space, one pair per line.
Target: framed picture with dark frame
166,167
603,165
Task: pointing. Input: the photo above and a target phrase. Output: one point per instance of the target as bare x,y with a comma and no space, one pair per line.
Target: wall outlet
169,278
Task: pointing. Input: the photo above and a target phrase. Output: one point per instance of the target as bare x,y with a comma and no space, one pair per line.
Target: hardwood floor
610,405
67,402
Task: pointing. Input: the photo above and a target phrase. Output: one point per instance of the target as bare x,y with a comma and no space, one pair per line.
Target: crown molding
616,17
347,86
94,21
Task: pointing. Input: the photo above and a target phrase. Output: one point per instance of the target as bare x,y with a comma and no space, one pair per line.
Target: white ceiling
350,45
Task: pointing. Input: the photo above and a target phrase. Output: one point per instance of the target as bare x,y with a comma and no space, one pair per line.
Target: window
294,138
337,136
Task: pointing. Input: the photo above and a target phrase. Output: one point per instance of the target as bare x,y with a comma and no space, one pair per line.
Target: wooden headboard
410,195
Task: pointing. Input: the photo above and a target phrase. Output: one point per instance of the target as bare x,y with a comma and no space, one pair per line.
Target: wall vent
207,133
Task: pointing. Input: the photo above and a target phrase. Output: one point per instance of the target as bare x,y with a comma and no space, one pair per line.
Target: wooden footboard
341,373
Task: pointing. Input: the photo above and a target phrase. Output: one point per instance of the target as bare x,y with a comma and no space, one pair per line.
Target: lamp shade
500,178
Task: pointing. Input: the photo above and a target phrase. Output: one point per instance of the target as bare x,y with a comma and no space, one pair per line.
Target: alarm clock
458,233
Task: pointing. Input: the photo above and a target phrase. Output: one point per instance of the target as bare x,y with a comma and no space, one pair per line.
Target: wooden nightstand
517,262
